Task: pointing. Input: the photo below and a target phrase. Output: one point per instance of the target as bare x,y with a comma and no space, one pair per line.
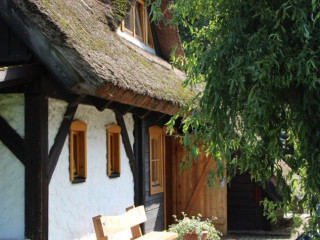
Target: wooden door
190,193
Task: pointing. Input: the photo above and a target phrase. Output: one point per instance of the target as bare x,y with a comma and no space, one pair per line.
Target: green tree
258,64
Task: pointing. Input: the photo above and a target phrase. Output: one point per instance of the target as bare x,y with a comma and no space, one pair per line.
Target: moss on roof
83,32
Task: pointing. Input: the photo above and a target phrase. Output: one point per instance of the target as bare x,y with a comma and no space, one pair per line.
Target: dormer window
137,24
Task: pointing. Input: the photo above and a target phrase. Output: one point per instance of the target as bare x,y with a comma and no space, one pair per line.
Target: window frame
145,25
113,150
79,129
156,132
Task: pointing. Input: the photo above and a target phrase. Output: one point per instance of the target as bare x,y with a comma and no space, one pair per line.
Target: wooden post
137,145
36,183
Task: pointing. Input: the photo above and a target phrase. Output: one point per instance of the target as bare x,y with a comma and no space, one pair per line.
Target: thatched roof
83,32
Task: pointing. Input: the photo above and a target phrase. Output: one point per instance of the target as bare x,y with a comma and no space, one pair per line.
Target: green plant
195,225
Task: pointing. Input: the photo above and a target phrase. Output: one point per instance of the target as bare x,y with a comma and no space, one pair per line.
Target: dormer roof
81,35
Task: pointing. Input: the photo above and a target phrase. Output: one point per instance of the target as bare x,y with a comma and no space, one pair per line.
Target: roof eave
65,73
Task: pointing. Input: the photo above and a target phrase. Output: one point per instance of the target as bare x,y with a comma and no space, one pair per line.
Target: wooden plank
194,197
174,173
155,224
164,171
100,104
36,184
159,120
201,184
62,134
137,133
114,224
145,114
153,204
135,230
13,83
12,140
98,228
25,71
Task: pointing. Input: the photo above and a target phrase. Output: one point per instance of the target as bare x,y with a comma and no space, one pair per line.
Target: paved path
254,237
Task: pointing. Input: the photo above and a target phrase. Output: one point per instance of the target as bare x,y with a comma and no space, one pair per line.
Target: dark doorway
244,210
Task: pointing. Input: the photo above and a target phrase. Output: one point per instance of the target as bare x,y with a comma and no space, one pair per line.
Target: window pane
155,172
138,19
154,148
128,22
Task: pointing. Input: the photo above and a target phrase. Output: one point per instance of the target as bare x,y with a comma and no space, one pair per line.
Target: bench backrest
108,225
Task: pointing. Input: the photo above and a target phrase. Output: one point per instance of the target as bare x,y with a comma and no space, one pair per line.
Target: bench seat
109,225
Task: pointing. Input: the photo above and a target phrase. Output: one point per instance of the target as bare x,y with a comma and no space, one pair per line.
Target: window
78,152
156,159
137,24
113,150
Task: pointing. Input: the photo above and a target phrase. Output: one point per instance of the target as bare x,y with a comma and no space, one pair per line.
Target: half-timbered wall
71,206
11,171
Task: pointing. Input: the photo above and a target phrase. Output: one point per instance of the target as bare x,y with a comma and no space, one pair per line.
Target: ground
279,232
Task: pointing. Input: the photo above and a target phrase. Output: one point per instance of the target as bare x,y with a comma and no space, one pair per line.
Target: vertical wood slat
192,193
174,176
36,184
135,230
201,184
98,228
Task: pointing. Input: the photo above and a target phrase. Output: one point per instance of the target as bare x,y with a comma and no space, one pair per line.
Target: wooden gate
190,193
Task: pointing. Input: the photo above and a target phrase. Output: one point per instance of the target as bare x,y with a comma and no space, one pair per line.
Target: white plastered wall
11,171
72,206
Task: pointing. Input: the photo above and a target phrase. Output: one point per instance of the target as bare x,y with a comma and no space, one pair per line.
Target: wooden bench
105,226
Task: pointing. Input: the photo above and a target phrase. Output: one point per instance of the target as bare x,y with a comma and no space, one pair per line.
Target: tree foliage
258,63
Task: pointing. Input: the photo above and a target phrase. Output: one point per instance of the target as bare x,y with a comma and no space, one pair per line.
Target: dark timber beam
12,140
127,147
127,110
13,83
26,71
145,114
137,146
100,104
62,134
161,118
36,184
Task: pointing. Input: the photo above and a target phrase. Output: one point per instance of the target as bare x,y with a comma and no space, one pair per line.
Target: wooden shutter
156,159
113,149
78,149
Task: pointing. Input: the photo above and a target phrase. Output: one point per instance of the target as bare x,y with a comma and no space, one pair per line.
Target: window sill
156,190
114,175
78,180
135,41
